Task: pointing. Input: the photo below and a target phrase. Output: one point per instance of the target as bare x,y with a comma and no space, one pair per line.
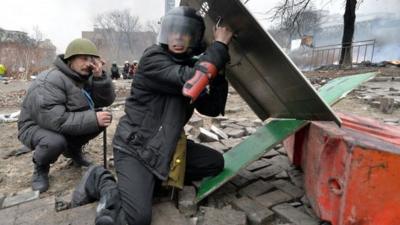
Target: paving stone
188,129
247,174
288,188
255,189
280,160
214,216
233,109
196,122
386,105
294,215
258,165
250,130
216,145
19,198
2,197
273,198
236,133
167,213
186,199
217,120
282,174
281,150
245,123
271,153
256,213
8,215
230,124
219,132
297,177
269,171
207,136
239,181
231,142
225,194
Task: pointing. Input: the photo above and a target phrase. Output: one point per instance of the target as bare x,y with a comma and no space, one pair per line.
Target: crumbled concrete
214,216
186,199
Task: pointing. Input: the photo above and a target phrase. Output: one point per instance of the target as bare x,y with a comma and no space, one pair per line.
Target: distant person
125,70
58,113
3,70
133,68
114,71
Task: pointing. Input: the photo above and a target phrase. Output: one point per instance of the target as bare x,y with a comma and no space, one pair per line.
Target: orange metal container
352,173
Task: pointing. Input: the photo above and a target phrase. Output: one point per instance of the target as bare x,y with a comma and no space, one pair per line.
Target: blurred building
19,52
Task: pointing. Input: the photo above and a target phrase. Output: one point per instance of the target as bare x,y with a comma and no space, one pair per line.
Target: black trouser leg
136,186
202,161
48,146
75,143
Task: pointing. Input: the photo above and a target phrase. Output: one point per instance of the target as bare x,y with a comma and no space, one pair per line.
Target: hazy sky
63,20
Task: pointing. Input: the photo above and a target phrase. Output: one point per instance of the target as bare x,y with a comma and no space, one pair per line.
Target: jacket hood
61,64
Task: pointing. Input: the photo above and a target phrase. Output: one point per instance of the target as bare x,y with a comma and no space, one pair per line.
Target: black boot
40,178
95,181
108,208
79,159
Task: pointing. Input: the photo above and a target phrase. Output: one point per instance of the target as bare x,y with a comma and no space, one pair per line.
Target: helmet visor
175,25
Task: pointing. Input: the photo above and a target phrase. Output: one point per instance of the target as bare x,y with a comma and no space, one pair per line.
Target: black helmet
184,20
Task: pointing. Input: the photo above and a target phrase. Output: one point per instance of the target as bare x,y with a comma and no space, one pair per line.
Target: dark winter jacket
56,101
156,111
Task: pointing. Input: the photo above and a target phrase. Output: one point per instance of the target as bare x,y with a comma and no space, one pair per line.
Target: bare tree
118,26
290,13
349,19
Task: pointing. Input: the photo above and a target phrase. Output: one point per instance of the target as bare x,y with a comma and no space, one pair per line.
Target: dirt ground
16,171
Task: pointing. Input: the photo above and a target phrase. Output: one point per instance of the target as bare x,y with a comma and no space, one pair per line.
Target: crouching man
58,113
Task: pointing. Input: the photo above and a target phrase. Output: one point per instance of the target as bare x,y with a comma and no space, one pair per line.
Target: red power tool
205,72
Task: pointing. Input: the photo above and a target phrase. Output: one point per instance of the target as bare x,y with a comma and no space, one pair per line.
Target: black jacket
156,111
55,101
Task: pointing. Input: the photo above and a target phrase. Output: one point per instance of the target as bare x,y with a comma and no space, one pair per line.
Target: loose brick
256,213
258,165
269,171
232,142
219,132
236,133
288,188
271,153
293,215
297,177
273,198
207,136
239,181
255,189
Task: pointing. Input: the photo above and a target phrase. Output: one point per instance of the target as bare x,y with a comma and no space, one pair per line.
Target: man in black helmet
148,137
57,114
